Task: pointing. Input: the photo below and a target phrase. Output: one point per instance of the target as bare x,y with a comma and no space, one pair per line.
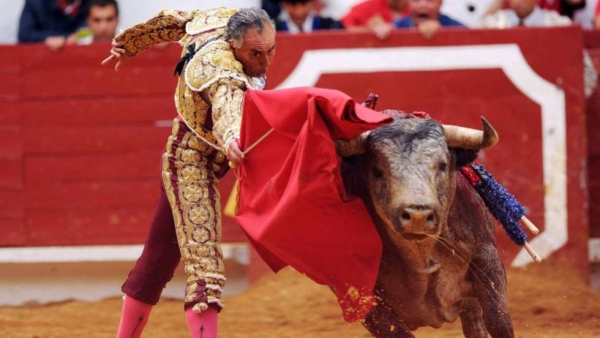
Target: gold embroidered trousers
191,170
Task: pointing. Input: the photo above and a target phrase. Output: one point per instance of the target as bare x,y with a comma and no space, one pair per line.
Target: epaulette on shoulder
213,62
204,21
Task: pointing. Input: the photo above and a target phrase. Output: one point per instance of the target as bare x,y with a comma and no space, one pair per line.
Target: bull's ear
464,156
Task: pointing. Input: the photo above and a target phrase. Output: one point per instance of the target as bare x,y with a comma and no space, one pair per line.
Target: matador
225,53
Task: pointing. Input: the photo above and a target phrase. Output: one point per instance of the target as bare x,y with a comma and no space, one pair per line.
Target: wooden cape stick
534,230
232,165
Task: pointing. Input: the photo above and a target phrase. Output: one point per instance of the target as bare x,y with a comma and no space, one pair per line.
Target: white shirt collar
536,18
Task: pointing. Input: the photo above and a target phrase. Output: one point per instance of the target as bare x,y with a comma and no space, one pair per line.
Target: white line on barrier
99,253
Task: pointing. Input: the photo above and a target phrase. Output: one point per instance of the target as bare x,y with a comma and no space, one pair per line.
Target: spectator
102,20
299,16
272,7
425,16
528,14
53,22
564,7
375,15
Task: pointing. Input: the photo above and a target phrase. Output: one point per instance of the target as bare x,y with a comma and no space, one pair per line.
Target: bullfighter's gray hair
244,19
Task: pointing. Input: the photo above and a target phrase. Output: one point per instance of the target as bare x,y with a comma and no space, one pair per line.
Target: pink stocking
134,317
202,325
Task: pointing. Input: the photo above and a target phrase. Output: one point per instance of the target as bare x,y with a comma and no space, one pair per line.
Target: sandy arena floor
545,300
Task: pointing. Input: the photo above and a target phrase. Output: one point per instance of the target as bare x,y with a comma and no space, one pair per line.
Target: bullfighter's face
257,50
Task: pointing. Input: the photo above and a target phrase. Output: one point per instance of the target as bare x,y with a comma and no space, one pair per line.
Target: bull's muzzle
418,220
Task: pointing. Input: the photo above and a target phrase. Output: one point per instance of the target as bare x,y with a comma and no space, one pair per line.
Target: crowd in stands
58,23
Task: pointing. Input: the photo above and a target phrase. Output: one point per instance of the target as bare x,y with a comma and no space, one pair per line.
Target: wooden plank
11,84
594,194
12,174
90,140
13,204
10,114
591,39
76,72
593,140
101,111
76,57
10,56
88,227
99,227
92,196
10,70
11,143
140,165
13,232
94,83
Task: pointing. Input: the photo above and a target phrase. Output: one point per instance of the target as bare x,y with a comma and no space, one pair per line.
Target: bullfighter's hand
116,53
234,154
429,28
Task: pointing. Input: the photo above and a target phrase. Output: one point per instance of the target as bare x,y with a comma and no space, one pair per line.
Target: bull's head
406,171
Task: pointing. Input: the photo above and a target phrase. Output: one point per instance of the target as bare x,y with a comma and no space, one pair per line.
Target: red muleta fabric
292,204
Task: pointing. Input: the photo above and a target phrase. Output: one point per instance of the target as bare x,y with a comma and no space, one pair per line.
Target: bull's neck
415,254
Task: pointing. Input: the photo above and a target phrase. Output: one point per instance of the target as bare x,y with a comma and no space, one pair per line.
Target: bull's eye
443,166
377,173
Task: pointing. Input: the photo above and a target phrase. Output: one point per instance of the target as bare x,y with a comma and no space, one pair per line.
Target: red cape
292,203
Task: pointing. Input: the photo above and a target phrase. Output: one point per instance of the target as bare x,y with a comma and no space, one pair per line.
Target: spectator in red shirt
375,15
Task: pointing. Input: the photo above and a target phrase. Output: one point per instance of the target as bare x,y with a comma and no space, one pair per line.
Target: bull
439,259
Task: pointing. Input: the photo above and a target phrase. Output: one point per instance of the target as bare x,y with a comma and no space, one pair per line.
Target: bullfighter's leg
490,288
191,172
190,179
151,272
471,320
383,322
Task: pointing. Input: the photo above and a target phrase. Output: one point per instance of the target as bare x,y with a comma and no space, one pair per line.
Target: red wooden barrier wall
592,44
80,146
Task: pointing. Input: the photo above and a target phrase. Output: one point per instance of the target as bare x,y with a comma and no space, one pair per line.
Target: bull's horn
353,146
461,137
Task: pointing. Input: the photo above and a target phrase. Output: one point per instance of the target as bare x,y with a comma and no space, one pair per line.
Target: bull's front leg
471,320
383,322
489,284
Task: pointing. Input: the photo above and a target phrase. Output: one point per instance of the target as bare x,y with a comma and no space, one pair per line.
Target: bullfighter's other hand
234,154
117,52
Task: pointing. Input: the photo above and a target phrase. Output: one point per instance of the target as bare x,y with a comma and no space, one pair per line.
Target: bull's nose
418,220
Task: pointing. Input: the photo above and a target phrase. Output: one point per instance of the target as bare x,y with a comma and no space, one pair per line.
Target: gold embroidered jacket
210,90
